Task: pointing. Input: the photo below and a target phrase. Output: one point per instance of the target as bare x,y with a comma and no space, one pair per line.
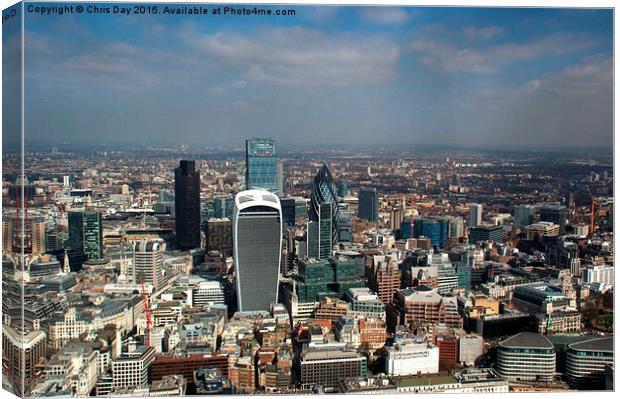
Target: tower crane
592,210
147,315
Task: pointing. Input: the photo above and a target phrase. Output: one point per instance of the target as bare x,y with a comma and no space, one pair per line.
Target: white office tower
475,215
257,241
148,262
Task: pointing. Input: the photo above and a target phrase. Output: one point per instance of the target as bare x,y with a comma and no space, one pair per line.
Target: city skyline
441,272
339,200
473,77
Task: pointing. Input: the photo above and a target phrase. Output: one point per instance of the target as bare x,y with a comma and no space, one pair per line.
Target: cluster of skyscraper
256,218
259,216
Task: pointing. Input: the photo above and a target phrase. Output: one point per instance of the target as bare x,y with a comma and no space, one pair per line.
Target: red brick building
448,351
372,333
384,277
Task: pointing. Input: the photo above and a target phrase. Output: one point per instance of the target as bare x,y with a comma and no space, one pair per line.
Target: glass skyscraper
223,206
523,215
288,211
262,169
257,244
555,214
86,234
187,205
324,191
345,228
320,237
475,215
434,228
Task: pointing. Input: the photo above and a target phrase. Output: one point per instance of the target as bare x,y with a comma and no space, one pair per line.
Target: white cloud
385,15
488,59
320,14
450,58
299,56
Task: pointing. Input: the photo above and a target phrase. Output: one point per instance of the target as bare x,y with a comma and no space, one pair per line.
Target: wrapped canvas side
22,339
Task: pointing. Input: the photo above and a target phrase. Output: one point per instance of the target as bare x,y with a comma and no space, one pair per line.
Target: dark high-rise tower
86,234
555,214
288,211
368,204
324,191
187,204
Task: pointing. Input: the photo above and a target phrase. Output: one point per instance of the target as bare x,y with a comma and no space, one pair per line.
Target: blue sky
478,77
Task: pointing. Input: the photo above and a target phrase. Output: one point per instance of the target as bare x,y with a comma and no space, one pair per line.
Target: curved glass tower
323,192
257,240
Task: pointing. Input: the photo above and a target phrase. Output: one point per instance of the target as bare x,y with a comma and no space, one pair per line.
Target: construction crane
147,315
592,210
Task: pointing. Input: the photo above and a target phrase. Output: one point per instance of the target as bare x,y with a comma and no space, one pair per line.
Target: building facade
219,236
319,234
475,215
526,357
261,165
586,361
368,204
187,204
257,242
410,357
148,262
131,369
86,234
324,191
329,367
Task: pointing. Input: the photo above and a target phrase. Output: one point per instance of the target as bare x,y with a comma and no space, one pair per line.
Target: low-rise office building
586,361
471,380
327,367
409,357
131,369
526,357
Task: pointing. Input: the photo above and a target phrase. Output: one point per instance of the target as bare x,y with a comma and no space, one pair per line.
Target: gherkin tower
324,191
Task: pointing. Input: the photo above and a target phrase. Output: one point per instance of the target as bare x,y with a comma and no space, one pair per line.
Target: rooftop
598,344
527,340
333,354
425,380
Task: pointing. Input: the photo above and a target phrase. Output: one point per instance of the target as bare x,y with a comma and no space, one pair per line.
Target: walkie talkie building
257,238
